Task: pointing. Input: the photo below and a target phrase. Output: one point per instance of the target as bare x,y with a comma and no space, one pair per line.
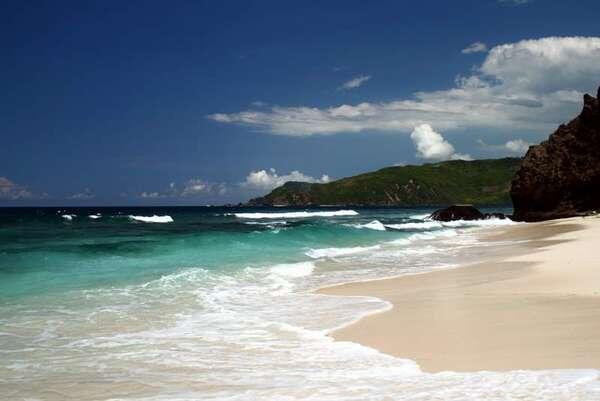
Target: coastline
534,305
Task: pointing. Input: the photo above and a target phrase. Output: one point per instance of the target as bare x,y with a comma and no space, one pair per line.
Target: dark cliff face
561,176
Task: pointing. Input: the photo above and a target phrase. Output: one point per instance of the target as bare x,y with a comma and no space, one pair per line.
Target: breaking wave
431,224
152,219
294,215
334,252
374,225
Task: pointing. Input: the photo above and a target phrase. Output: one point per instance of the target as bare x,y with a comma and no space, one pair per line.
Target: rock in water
561,176
457,212
494,215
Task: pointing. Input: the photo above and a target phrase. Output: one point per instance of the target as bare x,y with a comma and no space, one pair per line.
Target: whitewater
221,305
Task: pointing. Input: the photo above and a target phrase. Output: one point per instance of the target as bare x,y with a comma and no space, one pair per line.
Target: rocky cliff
561,176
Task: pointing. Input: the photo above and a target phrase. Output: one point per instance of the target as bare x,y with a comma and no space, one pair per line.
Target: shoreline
523,309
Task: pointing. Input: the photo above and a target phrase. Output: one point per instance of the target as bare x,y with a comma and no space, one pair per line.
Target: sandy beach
536,305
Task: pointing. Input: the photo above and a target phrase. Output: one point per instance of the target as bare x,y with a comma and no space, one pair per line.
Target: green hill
482,182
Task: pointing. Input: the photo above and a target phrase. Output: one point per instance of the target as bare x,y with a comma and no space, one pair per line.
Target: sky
204,102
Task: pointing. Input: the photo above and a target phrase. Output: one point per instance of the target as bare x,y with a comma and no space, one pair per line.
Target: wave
294,215
267,311
334,252
152,219
301,269
423,225
429,224
426,235
95,216
479,223
68,217
269,223
374,225
423,216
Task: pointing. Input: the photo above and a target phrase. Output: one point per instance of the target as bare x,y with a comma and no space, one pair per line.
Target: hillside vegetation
482,182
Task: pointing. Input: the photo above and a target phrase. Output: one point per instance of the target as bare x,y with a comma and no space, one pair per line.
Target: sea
215,303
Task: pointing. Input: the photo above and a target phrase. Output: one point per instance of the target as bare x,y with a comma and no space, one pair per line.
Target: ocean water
214,303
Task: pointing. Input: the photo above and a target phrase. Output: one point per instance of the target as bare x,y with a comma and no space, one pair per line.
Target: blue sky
105,103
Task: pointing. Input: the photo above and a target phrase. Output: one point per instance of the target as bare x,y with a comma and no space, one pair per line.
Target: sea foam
268,223
152,219
423,225
225,334
373,225
295,215
431,224
300,269
334,252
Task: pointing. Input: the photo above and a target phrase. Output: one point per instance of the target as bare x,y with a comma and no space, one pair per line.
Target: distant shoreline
245,206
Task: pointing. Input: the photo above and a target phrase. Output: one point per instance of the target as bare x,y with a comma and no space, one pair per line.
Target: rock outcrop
561,176
457,212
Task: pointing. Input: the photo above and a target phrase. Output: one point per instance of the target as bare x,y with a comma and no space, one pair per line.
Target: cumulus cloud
431,145
355,82
527,85
514,146
12,191
517,146
476,47
267,180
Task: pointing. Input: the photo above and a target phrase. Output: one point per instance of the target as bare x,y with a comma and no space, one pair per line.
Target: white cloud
192,187
267,180
355,82
476,47
84,195
432,145
528,85
12,191
518,146
461,156
515,146
195,186
259,103
150,195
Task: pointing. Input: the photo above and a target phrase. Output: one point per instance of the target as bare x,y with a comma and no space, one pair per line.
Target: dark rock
457,212
494,215
561,176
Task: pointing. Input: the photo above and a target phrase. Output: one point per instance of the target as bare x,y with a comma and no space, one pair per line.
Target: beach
213,304
536,305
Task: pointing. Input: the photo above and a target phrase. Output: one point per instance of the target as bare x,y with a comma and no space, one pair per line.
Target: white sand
537,310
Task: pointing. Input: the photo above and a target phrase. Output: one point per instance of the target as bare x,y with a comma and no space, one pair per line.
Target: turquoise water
40,251
219,304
